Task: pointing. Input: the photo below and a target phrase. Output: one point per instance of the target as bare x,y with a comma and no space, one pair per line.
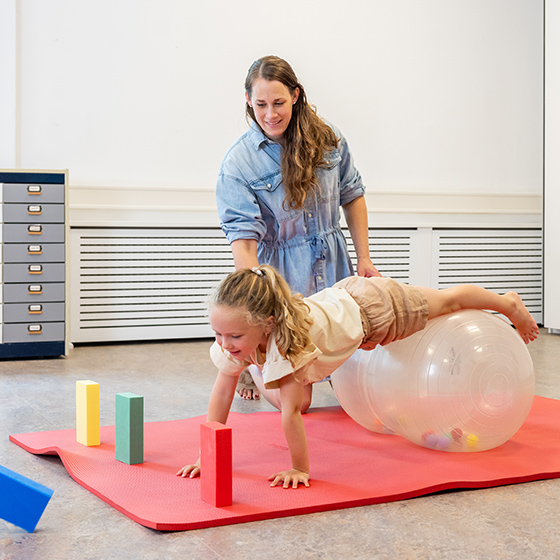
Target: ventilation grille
139,284
390,251
152,284
498,260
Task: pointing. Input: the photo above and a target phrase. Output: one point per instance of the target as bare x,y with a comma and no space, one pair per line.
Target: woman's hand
293,477
190,471
366,268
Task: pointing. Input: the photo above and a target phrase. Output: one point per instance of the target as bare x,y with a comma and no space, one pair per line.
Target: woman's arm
291,393
218,411
245,253
355,213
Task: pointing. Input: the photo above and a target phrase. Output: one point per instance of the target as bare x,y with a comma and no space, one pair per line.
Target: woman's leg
468,296
273,395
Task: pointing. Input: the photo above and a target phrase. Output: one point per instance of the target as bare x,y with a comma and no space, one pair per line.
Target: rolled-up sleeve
238,209
351,185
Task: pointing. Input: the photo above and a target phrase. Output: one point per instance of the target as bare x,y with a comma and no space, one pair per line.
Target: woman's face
272,103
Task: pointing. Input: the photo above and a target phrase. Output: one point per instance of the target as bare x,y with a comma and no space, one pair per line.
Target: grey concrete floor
518,521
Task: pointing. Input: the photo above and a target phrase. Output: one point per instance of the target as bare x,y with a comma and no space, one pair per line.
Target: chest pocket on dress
328,176
331,160
269,183
270,195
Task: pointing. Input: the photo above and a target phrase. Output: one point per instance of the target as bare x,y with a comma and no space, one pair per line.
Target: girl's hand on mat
293,477
190,470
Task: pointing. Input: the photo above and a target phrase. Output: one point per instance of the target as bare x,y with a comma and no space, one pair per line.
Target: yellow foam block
87,413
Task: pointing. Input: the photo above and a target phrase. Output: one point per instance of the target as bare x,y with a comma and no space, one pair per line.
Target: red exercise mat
350,466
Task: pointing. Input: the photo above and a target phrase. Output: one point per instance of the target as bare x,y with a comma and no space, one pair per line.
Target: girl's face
234,333
272,103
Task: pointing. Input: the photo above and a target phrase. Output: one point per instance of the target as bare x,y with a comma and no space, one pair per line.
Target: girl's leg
273,395
468,296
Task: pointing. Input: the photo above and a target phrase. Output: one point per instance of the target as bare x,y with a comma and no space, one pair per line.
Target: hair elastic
257,271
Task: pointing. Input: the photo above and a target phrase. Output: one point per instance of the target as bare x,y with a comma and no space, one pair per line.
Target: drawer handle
34,210
35,269
35,329
35,249
37,289
35,229
35,309
34,189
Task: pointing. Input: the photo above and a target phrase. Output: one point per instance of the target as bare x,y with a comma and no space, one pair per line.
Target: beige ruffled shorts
390,310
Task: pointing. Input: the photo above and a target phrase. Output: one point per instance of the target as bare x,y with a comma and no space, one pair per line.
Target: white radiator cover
144,284
499,260
152,283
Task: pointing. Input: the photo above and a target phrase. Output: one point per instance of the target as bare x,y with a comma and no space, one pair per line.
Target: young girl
296,341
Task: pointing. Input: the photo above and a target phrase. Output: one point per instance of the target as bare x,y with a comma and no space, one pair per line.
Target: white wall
141,98
551,303
8,83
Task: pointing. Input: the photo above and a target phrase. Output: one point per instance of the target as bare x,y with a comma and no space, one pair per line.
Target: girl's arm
218,411
221,397
355,213
291,393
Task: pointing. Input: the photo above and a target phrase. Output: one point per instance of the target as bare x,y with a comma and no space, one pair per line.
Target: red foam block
350,466
216,464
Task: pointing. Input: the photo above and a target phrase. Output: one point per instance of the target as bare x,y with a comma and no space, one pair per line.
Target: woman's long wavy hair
307,137
262,293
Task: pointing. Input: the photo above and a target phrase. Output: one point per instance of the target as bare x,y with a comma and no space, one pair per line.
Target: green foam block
129,428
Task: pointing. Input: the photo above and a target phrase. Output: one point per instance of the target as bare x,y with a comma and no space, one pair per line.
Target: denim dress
305,245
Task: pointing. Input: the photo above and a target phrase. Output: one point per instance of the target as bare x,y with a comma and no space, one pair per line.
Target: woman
282,184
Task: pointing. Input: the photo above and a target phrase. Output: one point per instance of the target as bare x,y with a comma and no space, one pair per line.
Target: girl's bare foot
246,387
521,318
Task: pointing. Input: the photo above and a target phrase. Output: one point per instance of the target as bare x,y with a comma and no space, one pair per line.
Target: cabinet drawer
34,292
33,193
33,213
30,312
33,252
34,272
33,332
33,233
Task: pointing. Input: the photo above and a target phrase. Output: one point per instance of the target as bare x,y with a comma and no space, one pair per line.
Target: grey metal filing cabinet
33,311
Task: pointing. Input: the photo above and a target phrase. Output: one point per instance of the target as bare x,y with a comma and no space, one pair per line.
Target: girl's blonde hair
307,137
262,293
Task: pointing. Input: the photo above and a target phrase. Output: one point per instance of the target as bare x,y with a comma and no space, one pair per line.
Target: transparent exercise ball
464,383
